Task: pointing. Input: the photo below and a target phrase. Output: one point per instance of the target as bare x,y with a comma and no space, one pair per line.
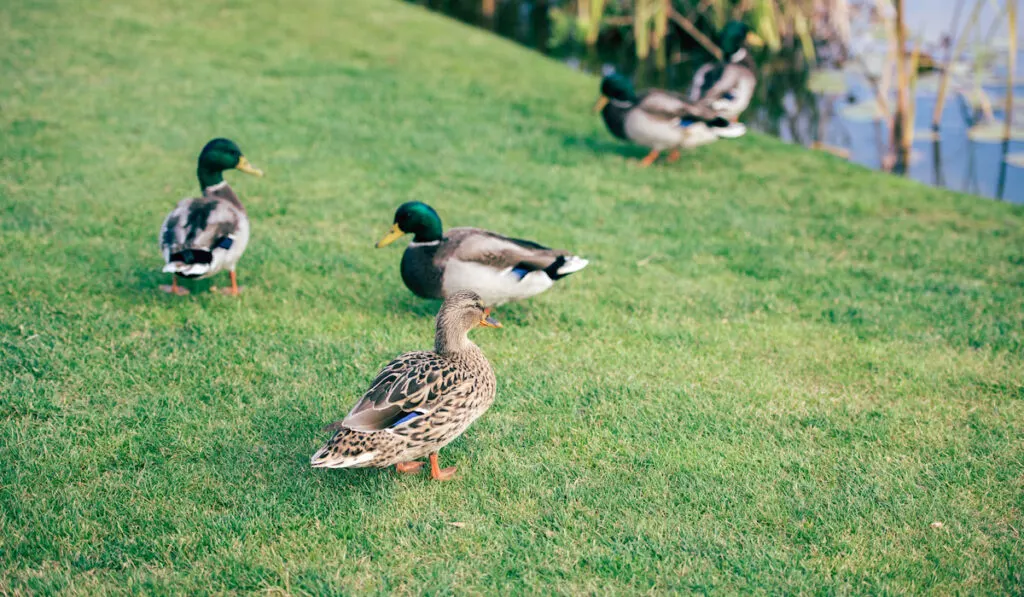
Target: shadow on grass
599,145
288,438
145,281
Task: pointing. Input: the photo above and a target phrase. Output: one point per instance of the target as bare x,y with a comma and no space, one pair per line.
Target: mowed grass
777,373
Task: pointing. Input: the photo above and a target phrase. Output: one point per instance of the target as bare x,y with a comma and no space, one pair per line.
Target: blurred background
953,116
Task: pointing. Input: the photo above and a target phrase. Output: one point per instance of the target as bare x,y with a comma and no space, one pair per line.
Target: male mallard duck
421,401
498,268
204,235
654,118
726,87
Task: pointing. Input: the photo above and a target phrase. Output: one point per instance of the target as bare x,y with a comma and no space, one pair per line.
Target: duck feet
647,161
173,287
235,289
673,156
439,474
410,467
227,291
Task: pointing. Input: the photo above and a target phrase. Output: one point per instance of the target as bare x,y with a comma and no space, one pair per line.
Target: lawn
778,372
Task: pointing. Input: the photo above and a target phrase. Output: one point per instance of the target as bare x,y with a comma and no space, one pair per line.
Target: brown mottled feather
448,389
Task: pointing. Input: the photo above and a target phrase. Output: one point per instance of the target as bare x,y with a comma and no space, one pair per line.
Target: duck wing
669,106
501,253
409,386
198,224
732,80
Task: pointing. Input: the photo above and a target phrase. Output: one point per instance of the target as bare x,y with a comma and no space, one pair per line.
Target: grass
778,371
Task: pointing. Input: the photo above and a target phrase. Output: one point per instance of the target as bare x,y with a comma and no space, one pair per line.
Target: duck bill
600,104
245,166
488,321
394,234
754,40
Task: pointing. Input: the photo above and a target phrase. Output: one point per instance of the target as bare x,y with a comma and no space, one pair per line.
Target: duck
498,268
208,234
654,118
726,86
421,401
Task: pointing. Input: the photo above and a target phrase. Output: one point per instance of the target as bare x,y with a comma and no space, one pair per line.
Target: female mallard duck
726,87
420,401
498,268
654,118
204,235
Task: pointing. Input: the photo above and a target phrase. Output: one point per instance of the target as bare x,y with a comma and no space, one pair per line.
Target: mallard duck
498,268
420,401
208,234
654,118
726,87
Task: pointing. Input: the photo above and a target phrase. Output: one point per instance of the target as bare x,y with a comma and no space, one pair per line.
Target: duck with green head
726,86
208,234
654,118
500,269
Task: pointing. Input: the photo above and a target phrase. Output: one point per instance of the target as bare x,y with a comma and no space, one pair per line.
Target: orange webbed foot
174,289
438,474
408,468
649,159
445,474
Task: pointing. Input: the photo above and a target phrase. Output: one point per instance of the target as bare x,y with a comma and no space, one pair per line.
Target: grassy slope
777,372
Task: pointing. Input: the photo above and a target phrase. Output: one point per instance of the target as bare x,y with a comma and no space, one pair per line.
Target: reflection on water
784,105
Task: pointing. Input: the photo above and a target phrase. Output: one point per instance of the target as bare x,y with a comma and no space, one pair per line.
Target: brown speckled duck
420,401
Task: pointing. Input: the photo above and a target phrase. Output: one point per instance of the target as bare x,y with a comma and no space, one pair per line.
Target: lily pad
867,111
870,63
928,83
992,132
828,81
1016,159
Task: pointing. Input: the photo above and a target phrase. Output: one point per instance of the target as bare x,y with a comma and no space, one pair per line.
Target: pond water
786,107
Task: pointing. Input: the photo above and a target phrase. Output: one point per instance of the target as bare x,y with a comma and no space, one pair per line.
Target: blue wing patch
520,272
224,243
407,417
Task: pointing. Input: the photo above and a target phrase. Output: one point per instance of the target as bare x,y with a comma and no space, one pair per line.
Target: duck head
415,218
615,87
734,39
219,155
460,312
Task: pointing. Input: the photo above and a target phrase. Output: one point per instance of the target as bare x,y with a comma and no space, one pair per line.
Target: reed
903,127
958,45
1011,65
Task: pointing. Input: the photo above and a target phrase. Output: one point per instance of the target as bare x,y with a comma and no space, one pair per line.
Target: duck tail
565,265
187,270
190,263
344,450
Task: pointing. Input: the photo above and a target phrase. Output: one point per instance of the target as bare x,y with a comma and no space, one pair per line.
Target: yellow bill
245,166
754,40
489,321
394,234
600,104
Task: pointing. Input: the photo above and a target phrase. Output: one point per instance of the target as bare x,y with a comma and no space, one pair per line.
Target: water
784,105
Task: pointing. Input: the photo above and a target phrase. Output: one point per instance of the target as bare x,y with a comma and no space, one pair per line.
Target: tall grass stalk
1011,65
902,128
940,101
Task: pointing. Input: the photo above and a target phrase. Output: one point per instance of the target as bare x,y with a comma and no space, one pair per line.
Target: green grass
777,373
